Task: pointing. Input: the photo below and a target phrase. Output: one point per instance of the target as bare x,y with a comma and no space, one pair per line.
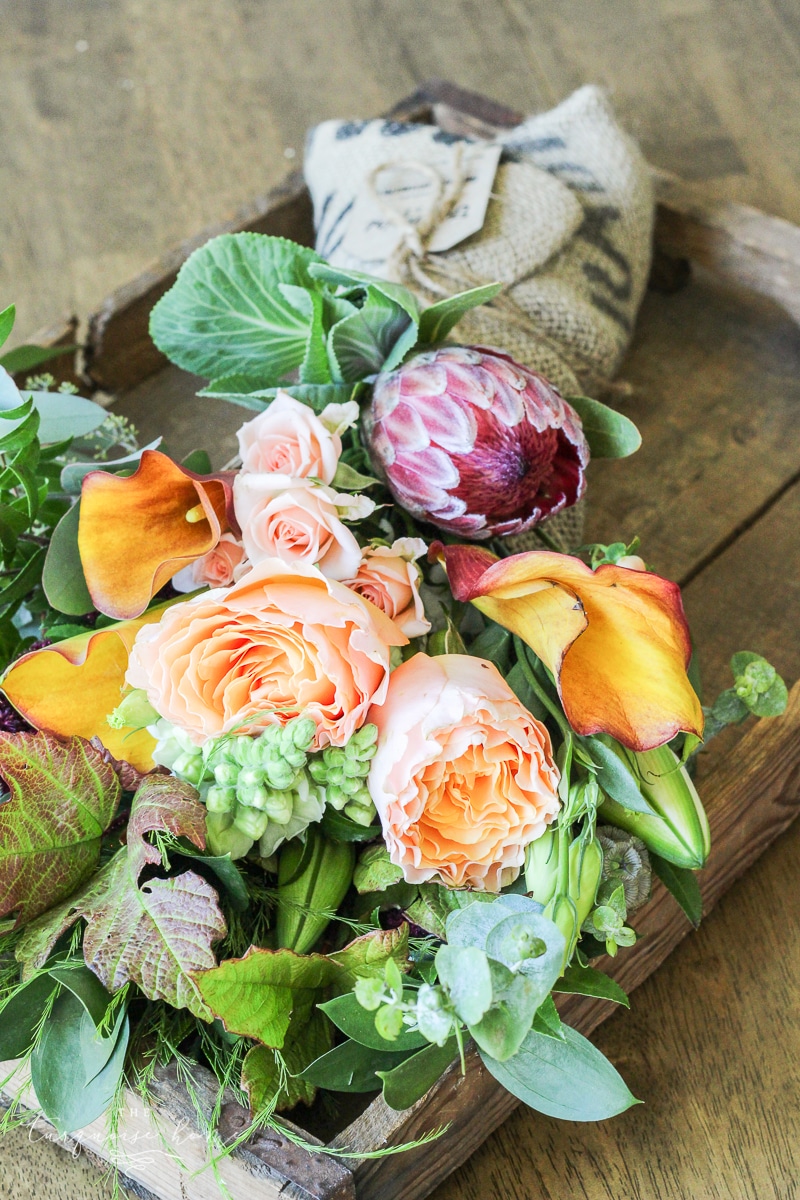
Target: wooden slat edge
163,1153
119,353
740,243
751,799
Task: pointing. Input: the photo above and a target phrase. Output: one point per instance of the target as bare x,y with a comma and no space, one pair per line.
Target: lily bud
570,909
313,877
134,712
677,830
541,866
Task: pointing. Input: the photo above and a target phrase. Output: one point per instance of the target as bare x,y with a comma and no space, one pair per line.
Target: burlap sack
567,229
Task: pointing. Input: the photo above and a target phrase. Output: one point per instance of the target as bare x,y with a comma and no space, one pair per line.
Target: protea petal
72,686
490,432
135,533
616,640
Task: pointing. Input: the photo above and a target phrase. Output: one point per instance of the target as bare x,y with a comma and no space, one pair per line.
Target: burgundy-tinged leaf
129,776
163,802
63,797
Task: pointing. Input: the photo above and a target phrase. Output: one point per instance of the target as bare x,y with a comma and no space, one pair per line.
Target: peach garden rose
299,522
463,778
389,577
217,568
288,438
282,642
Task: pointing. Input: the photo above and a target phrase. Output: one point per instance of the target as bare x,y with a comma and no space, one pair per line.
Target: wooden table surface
127,125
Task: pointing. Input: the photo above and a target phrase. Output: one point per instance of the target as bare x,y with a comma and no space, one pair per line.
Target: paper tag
403,185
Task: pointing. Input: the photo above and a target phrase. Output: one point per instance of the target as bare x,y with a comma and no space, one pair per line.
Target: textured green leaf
314,368
74,1071
586,981
261,1071
609,433
682,883
257,995
570,1079
63,797
225,314
435,904
353,1020
315,395
437,320
375,338
62,577
366,956
408,1082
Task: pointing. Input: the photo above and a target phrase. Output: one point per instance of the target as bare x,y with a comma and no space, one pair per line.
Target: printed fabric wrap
568,230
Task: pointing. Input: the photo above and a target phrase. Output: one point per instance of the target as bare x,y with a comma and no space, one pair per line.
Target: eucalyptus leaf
682,883
351,1067
20,1015
85,986
225,313
73,474
614,776
63,416
408,1082
437,320
221,865
569,1079
359,1024
464,972
73,1073
63,579
609,433
25,358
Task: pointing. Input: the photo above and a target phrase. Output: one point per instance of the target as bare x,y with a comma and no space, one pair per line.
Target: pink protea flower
475,443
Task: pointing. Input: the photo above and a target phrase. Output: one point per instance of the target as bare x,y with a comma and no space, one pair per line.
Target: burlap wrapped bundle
567,230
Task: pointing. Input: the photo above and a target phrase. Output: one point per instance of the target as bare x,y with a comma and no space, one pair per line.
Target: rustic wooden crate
713,381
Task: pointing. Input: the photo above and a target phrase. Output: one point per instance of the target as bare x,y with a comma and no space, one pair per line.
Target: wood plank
162,1150
713,1037
753,796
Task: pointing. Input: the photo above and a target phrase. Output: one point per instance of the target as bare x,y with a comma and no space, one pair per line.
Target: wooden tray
713,381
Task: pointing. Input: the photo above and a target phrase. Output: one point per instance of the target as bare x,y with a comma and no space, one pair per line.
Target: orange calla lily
71,687
615,639
136,532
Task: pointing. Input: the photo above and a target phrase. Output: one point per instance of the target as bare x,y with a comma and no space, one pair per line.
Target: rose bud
475,443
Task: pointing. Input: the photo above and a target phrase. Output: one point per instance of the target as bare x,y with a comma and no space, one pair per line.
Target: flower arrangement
308,776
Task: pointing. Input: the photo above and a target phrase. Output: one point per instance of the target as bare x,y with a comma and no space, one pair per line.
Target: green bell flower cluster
269,788
343,770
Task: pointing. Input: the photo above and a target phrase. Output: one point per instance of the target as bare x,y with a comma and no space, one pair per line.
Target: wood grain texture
177,114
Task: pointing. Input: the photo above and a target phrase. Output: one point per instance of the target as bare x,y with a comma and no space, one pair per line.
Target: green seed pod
252,796
336,797
313,877
223,837
279,807
220,799
226,774
362,814
677,830
251,821
251,776
570,910
189,767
